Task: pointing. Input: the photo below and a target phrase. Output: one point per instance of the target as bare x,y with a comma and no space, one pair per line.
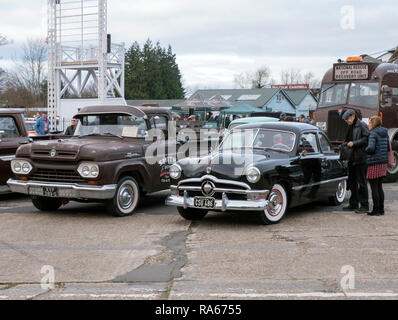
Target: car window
8,128
308,143
159,122
324,143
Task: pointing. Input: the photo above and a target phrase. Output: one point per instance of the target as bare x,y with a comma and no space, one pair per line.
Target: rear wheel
192,214
46,204
392,172
277,206
340,194
126,198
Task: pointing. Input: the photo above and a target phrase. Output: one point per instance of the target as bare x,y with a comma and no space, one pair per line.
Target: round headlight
253,175
26,167
17,167
175,171
94,171
86,171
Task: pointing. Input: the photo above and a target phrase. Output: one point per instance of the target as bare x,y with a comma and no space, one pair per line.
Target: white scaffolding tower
84,67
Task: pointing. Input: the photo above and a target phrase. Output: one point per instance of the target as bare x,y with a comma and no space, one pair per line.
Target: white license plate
50,192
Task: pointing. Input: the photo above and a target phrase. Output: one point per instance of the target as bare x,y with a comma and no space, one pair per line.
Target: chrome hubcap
340,190
275,202
126,197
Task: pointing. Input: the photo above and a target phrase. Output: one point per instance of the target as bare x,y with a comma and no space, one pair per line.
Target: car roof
255,120
296,127
11,111
128,110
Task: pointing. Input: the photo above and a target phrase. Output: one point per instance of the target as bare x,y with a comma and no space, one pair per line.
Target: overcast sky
216,39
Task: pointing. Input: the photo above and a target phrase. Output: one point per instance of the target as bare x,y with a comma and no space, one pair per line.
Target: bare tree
253,80
261,77
29,72
291,76
243,80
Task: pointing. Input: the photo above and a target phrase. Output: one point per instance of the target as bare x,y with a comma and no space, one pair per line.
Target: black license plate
207,203
50,192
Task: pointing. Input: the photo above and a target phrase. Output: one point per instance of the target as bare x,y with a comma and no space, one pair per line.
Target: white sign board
351,72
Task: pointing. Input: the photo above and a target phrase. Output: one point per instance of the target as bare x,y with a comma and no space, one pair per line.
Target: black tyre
277,208
392,173
340,194
46,204
192,214
126,198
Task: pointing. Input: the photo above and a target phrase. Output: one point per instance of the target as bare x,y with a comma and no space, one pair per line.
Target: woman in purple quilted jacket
377,161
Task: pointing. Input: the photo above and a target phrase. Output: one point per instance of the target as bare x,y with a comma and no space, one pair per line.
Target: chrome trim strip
221,190
66,190
7,158
319,183
215,180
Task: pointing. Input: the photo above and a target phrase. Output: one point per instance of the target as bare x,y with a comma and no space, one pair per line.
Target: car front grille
233,189
53,175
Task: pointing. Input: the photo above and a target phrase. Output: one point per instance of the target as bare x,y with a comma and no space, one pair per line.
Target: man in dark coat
357,139
70,131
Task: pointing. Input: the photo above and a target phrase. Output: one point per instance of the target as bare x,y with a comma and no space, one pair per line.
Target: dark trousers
358,185
377,194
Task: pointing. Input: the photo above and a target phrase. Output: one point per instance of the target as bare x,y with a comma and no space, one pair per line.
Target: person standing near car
377,161
357,140
42,125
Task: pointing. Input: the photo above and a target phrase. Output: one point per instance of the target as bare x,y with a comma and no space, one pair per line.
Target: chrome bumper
224,204
65,190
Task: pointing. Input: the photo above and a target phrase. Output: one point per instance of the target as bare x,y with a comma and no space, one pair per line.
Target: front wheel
340,194
46,204
126,198
277,207
192,214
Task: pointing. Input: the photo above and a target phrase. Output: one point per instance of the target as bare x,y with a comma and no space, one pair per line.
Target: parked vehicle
103,162
267,167
242,121
369,88
12,134
30,127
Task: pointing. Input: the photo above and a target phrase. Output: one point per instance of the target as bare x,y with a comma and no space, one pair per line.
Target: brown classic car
12,135
105,161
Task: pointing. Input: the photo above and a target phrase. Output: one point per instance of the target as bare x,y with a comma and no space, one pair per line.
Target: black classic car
268,168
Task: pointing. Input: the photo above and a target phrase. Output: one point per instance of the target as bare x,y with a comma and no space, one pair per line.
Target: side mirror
386,96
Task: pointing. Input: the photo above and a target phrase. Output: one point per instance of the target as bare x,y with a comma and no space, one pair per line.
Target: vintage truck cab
105,161
12,135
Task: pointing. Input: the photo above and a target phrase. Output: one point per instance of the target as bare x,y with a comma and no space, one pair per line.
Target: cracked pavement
156,254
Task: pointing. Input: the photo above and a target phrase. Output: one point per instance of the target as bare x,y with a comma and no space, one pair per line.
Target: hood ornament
208,170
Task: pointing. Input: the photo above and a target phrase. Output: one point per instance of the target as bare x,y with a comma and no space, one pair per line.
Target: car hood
225,165
93,149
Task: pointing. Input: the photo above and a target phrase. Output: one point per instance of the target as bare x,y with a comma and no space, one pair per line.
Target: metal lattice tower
84,68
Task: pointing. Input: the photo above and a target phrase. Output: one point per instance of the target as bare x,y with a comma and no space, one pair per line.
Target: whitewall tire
278,204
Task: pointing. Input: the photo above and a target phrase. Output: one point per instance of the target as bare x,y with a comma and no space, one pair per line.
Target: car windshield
260,139
364,94
112,125
333,94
